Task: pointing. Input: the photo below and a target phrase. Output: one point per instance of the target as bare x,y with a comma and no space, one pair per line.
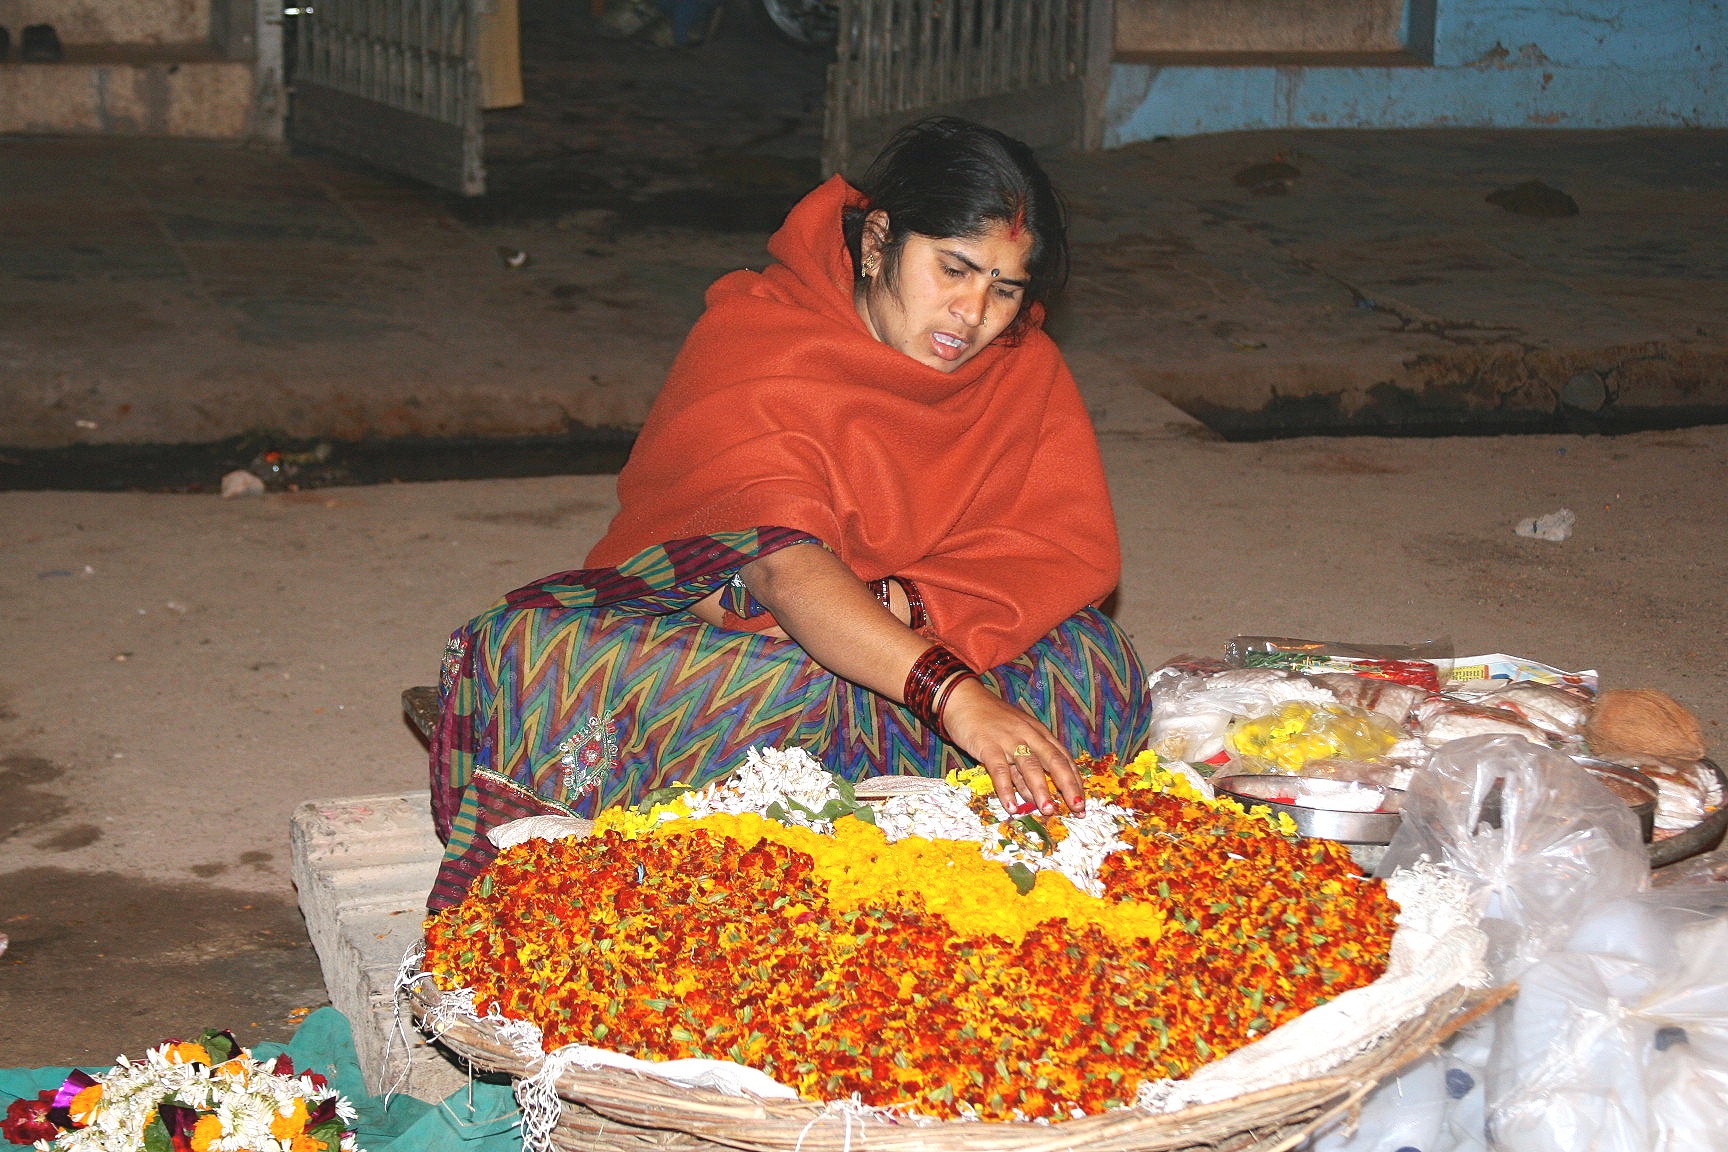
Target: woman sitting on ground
866,517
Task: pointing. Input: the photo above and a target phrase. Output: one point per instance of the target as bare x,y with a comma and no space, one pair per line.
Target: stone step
363,866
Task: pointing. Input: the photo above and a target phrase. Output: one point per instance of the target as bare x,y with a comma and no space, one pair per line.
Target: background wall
113,21
1468,63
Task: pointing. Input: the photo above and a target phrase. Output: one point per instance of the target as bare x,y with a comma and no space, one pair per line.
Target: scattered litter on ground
1555,526
241,483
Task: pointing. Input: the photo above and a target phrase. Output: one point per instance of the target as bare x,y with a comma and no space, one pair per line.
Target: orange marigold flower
206,1132
85,1105
286,1126
913,973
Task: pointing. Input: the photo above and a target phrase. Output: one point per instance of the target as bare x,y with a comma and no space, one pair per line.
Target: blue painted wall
1565,64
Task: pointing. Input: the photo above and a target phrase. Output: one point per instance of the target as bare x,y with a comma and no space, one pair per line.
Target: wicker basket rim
632,1097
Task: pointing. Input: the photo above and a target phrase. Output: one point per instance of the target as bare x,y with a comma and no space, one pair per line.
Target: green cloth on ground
481,1118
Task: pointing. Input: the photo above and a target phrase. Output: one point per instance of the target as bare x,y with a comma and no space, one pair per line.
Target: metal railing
408,54
899,55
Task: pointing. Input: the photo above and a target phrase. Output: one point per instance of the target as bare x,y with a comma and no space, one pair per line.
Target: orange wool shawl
983,486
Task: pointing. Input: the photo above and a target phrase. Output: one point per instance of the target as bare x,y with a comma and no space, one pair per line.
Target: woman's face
952,296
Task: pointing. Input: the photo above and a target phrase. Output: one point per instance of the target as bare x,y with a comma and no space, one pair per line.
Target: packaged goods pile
1327,715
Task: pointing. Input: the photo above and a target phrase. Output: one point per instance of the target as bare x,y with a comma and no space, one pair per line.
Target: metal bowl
1701,837
1310,800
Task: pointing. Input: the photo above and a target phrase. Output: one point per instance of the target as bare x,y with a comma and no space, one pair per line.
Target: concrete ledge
146,96
363,866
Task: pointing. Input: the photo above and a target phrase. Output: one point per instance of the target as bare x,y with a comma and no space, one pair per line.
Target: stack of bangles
929,684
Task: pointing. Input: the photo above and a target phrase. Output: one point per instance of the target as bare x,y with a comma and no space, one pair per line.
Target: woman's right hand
1025,762
829,612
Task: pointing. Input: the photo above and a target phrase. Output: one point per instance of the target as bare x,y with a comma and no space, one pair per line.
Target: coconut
1639,721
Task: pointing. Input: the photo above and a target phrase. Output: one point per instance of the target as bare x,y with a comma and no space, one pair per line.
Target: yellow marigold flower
291,1123
975,778
631,824
85,1105
207,1131
186,1053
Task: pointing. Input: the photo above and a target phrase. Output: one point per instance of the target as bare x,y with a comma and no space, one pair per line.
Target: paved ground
153,291
181,671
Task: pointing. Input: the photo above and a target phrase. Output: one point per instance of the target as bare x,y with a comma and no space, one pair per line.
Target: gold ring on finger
1022,750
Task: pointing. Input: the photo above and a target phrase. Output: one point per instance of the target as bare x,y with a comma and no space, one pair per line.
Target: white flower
245,1099
789,777
799,785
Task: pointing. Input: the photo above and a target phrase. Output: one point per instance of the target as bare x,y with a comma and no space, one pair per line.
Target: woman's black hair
946,177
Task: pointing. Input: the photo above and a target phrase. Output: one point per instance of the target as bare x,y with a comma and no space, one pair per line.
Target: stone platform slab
363,866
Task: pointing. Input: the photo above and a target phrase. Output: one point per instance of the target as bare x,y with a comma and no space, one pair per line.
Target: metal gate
1018,65
393,82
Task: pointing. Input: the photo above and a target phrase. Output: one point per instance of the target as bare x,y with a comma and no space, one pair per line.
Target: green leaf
486,884
219,1044
156,1138
662,796
1024,878
330,1132
1037,829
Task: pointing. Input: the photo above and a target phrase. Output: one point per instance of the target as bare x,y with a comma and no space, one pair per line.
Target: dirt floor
181,671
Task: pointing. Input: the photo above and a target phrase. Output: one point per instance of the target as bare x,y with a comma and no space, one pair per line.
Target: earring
871,263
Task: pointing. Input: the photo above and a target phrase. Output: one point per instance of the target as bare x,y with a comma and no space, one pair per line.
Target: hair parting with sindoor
945,177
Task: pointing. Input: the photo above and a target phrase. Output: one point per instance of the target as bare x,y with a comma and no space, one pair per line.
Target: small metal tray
1280,793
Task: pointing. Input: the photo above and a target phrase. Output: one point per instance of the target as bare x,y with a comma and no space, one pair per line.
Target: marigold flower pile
914,973
204,1096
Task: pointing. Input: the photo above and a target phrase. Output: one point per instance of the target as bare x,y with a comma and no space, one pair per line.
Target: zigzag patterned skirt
557,709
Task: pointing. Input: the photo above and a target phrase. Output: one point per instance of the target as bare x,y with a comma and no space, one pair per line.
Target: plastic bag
1191,715
1287,739
1619,1041
1541,841
1406,1111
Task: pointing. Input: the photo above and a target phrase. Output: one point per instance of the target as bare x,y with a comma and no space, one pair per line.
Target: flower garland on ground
913,973
207,1096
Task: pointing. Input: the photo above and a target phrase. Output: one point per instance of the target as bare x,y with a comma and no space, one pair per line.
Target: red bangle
920,618
929,684
879,588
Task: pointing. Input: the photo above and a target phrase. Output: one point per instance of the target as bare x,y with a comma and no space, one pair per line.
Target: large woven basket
612,1110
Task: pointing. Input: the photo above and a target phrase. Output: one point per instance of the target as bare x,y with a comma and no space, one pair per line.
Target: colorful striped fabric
550,706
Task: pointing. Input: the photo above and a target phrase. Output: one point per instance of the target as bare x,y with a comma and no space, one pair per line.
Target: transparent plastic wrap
1618,1042
1541,841
1192,714
1426,665
1297,732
